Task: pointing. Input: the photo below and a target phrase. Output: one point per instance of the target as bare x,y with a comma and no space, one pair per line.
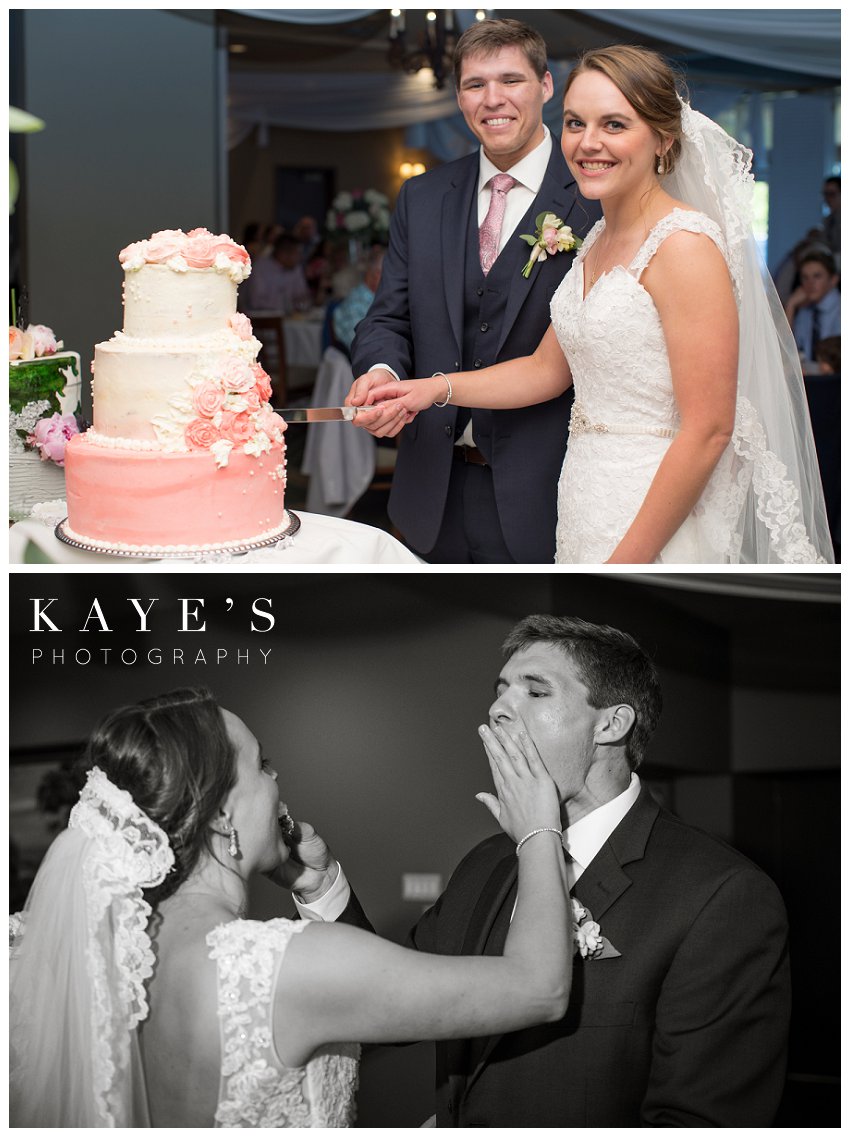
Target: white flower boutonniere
587,936
551,236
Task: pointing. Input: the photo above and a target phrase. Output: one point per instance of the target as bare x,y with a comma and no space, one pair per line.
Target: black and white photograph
511,850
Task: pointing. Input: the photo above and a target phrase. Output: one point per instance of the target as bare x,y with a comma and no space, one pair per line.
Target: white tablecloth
303,340
339,457
320,540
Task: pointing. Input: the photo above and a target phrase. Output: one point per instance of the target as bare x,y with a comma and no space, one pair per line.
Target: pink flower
51,437
200,249
271,423
43,339
237,428
252,401
237,376
235,253
164,245
241,325
207,399
201,434
264,383
550,239
20,345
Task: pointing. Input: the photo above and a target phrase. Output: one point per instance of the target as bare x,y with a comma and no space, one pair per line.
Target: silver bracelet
448,384
533,833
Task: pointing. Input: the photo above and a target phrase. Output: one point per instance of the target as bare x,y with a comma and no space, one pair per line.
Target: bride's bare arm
516,383
339,983
690,285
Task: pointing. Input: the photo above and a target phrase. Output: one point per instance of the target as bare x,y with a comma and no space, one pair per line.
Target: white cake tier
161,302
133,384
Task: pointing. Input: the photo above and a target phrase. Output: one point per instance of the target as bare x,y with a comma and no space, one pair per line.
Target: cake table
319,540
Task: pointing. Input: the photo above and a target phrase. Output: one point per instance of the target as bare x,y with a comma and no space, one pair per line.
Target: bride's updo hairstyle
648,83
173,755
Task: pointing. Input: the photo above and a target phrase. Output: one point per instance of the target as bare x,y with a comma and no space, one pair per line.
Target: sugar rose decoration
197,249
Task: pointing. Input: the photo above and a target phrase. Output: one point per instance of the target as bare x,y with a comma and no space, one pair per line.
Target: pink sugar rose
51,437
264,383
201,434
252,401
241,325
164,245
237,428
208,399
231,250
200,249
271,423
237,376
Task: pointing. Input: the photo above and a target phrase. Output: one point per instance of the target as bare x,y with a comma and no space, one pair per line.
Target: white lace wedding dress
625,414
257,1091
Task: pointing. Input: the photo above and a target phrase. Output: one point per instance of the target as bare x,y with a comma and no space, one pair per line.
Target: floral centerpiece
362,216
44,398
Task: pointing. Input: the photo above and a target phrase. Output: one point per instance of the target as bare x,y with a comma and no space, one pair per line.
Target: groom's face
501,99
539,691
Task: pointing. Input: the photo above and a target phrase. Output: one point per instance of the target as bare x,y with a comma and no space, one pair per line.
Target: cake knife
320,414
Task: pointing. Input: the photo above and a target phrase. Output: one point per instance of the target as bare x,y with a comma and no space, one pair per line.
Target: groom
680,1016
477,486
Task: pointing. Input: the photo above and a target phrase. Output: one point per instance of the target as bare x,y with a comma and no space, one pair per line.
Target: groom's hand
310,869
384,421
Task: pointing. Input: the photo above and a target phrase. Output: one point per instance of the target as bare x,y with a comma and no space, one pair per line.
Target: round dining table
318,540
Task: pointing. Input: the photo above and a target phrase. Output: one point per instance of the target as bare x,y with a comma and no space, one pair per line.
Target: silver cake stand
160,552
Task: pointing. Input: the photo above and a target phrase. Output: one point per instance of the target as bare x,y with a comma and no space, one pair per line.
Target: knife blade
319,414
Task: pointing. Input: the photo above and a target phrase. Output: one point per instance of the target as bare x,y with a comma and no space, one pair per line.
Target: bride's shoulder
247,936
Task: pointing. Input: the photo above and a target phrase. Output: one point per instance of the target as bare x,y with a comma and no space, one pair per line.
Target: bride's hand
310,869
414,395
526,796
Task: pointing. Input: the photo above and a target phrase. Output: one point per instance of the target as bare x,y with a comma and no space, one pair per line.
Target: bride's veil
80,956
766,496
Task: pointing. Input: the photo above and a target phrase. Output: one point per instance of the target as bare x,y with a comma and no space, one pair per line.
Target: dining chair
274,363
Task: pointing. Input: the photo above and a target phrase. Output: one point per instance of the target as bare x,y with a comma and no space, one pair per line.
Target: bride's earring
233,843
660,169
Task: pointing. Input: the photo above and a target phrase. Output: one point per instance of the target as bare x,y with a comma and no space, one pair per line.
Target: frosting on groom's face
501,99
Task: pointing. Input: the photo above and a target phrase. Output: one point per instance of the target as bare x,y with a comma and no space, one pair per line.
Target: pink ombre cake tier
151,499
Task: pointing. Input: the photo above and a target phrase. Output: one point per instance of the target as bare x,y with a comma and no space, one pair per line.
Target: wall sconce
411,169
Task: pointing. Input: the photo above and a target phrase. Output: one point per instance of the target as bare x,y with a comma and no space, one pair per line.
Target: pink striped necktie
490,231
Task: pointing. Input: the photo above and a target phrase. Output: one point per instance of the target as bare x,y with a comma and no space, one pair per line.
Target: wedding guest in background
832,221
814,309
306,233
477,486
828,355
253,239
355,306
680,1003
277,283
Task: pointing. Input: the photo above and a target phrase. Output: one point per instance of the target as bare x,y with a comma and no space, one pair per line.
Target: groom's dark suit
435,311
686,1027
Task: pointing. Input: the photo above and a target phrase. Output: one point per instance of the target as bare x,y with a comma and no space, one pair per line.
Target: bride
141,995
689,437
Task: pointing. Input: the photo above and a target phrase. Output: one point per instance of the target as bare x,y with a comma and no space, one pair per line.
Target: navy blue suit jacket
415,325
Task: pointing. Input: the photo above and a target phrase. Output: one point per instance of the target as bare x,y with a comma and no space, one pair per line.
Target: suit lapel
604,880
457,207
601,883
556,195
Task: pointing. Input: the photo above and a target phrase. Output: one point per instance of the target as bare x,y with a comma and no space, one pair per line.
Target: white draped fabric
806,42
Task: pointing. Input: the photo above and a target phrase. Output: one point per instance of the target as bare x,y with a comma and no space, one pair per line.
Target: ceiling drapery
799,41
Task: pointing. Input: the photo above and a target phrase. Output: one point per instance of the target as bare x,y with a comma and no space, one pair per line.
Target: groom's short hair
611,665
486,37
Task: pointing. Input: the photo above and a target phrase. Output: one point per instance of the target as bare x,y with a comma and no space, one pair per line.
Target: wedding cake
185,451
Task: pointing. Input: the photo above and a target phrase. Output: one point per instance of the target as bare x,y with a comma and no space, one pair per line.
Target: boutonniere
587,936
551,236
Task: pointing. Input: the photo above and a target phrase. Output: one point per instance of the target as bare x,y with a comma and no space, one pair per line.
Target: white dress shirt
529,172
582,840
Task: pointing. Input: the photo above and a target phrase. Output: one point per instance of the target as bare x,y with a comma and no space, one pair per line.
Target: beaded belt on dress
580,423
